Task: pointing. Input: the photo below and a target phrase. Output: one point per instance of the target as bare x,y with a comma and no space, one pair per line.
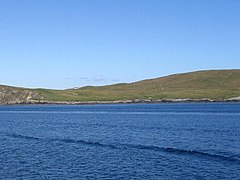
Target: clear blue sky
69,43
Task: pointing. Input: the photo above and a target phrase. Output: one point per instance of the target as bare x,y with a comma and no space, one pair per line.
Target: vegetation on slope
214,85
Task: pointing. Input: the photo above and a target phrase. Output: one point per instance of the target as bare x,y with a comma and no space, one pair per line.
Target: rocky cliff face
11,95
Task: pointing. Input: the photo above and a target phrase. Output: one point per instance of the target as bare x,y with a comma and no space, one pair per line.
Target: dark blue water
138,141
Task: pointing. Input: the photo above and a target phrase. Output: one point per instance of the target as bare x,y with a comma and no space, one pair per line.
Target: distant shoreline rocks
134,101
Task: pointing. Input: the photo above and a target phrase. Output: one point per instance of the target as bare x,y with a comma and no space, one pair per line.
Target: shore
135,101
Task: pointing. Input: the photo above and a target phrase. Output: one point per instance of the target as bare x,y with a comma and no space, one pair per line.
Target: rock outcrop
12,95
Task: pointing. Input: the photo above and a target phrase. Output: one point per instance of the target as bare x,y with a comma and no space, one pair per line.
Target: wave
86,143
136,146
186,152
13,135
23,136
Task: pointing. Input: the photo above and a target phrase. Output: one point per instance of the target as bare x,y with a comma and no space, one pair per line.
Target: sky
72,43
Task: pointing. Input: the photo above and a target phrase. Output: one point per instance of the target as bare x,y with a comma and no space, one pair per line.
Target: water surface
136,141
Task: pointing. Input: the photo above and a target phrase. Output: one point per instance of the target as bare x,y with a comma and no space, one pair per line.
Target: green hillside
215,85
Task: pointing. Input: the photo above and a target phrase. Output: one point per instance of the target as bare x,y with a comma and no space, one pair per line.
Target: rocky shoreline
135,101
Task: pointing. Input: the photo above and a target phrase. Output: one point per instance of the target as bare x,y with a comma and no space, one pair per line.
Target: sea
120,141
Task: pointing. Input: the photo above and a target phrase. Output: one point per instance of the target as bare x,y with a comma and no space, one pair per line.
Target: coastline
135,101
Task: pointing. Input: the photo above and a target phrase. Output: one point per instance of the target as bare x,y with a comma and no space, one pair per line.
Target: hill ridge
202,85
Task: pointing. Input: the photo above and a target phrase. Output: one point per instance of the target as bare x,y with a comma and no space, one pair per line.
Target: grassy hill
215,85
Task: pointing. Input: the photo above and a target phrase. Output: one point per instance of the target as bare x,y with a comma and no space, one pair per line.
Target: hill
14,95
216,85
